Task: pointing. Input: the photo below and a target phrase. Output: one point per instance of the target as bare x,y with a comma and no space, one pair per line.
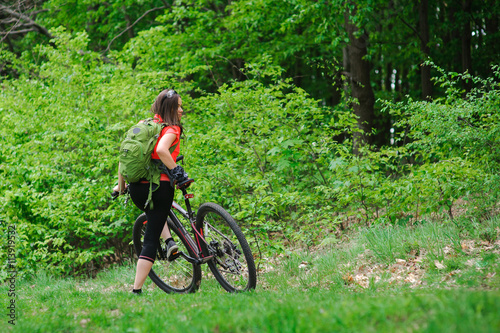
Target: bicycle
217,241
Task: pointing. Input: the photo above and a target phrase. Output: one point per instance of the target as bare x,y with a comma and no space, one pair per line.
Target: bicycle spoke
178,273
227,253
233,265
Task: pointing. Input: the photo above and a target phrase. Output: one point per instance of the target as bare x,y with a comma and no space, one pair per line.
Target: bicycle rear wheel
233,265
177,276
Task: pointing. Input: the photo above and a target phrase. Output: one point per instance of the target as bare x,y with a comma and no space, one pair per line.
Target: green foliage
106,23
452,145
277,159
63,121
268,146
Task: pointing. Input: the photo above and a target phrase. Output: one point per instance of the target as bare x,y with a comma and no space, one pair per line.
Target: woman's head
168,106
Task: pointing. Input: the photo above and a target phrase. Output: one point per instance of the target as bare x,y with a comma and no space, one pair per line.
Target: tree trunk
130,30
425,70
360,84
404,87
491,41
388,78
466,43
451,39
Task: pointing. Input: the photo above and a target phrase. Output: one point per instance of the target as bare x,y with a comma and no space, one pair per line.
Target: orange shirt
169,129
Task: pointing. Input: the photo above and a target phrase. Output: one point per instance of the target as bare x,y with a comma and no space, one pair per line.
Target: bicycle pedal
174,256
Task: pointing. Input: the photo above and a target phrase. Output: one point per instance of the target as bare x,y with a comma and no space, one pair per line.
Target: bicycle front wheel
177,276
233,265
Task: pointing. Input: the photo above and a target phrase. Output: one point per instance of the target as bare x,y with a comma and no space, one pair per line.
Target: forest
303,118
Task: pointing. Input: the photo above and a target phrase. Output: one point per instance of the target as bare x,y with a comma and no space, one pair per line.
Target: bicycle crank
196,261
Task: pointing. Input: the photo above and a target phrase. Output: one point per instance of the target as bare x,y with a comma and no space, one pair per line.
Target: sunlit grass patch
397,279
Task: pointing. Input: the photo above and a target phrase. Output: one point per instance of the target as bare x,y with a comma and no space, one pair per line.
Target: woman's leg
139,194
156,226
165,234
143,268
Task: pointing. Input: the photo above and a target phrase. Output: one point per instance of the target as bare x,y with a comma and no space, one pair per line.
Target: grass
430,278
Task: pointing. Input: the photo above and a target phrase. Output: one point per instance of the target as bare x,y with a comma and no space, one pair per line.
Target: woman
167,108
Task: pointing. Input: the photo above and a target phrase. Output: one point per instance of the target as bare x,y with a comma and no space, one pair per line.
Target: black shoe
172,248
137,291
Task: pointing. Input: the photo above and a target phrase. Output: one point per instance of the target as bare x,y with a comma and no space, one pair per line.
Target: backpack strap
149,201
150,197
171,149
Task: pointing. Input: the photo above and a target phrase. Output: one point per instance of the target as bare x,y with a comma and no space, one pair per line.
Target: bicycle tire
177,276
233,265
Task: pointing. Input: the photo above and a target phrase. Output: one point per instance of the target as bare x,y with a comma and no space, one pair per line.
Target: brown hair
166,105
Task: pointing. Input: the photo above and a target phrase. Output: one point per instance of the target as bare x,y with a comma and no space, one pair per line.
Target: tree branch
131,26
8,20
412,28
25,18
17,32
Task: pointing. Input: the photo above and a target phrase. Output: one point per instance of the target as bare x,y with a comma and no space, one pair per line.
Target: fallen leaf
362,280
471,262
411,278
348,279
115,312
438,264
84,322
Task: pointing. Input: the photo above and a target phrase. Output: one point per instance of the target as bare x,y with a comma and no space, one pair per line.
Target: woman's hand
117,189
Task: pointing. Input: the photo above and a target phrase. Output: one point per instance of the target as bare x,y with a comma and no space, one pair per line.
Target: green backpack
135,155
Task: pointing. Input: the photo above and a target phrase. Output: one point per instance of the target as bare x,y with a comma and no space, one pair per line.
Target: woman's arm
162,149
120,188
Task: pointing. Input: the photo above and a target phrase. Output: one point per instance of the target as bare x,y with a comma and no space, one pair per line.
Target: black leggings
162,202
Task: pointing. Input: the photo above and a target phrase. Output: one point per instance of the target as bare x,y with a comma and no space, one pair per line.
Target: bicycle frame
189,215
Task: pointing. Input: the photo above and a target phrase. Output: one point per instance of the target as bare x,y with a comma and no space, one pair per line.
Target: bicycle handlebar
116,194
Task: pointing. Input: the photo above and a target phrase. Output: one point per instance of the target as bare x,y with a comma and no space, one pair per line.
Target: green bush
62,123
276,159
